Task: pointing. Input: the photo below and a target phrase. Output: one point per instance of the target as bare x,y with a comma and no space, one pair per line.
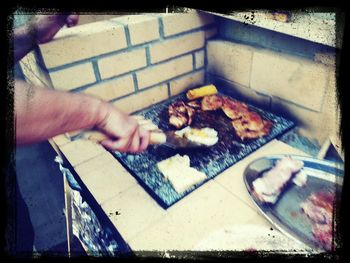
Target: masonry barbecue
212,161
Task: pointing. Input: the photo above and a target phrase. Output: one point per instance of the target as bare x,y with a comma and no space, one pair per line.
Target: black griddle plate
212,161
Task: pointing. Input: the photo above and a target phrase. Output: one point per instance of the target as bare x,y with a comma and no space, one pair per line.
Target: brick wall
131,61
137,60
299,88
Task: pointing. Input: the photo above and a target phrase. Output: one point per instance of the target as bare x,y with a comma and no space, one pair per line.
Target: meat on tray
268,187
319,209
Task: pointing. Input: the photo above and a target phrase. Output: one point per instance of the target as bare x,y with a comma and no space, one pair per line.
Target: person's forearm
23,42
41,113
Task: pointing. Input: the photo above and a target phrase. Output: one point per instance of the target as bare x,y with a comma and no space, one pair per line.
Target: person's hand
44,27
124,132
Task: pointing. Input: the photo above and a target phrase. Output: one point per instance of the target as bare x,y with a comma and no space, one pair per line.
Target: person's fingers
144,139
121,145
135,142
72,20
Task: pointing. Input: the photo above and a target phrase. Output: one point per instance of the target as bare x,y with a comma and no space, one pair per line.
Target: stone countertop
217,205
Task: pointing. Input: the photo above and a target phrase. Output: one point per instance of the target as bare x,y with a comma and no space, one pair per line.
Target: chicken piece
268,187
178,120
323,233
180,114
195,104
243,134
177,107
252,121
233,109
319,209
190,114
244,129
211,102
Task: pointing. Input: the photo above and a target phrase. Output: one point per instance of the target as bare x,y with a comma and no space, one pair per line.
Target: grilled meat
233,109
268,187
252,121
319,208
251,129
195,104
247,124
180,114
211,102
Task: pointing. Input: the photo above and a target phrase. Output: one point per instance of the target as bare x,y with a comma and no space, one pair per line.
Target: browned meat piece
323,233
233,109
211,102
252,121
268,187
177,107
245,129
195,104
190,113
178,120
180,114
319,208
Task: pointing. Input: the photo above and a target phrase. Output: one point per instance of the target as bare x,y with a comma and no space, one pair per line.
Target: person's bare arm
40,29
41,113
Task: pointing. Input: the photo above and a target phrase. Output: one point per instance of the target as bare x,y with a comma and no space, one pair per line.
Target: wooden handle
95,136
156,137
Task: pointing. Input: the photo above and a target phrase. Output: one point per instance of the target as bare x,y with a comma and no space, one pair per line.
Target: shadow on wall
265,102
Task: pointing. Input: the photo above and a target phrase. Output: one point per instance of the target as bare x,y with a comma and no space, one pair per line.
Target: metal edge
270,217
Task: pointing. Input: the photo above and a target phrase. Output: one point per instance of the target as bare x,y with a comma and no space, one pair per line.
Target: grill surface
212,161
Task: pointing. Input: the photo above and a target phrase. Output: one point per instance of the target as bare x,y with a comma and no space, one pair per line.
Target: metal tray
212,161
286,214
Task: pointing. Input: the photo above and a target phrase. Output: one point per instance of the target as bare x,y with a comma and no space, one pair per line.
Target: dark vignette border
7,109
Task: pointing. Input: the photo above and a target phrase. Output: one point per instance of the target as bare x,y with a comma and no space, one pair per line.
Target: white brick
174,47
112,89
73,77
229,60
142,28
142,99
291,78
210,33
164,71
122,63
199,58
33,72
177,23
313,124
81,42
31,77
325,58
192,80
330,107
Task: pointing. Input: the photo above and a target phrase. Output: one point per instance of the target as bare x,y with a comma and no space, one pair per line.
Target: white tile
81,150
133,211
105,177
205,210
